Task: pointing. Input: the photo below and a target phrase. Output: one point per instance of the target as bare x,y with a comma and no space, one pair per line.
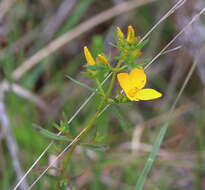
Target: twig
11,143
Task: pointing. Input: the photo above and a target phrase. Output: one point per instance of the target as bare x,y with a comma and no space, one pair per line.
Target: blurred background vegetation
41,42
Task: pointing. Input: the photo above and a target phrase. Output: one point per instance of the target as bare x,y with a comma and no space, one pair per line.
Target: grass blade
152,156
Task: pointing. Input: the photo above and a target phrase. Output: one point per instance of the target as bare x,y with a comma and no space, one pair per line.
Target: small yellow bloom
130,35
133,83
136,53
89,57
119,33
103,59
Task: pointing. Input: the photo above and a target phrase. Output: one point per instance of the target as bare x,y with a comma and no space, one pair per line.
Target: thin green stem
92,122
102,92
112,82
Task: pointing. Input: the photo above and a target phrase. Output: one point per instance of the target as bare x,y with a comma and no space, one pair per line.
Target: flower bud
89,57
130,35
119,33
103,59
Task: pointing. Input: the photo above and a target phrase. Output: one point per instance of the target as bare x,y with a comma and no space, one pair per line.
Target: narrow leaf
123,123
49,134
80,83
94,147
152,157
95,67
142,44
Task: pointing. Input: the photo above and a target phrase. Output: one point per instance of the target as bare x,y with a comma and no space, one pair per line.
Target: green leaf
100,137
63,125
140,45
59,127
80,83
144,62
88,74
49,134
95,67
96,147
132,65
63,184
118,58
152,157
122,120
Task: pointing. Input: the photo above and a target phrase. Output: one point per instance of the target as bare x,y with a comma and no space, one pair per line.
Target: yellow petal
124,81
103,59
89,57
138,78
119,33
147,94
131,94
130,34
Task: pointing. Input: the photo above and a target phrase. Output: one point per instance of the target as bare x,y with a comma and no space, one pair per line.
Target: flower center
133,91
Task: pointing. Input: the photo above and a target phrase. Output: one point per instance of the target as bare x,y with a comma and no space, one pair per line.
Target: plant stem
92,122
100,87
115,70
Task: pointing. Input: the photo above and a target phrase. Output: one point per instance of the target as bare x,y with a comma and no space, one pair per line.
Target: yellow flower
103,59
119,33
136,53
89,57
130,35
133,83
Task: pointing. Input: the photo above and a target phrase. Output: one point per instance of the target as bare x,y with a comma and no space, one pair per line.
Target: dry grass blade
25,94
172,10
57,19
